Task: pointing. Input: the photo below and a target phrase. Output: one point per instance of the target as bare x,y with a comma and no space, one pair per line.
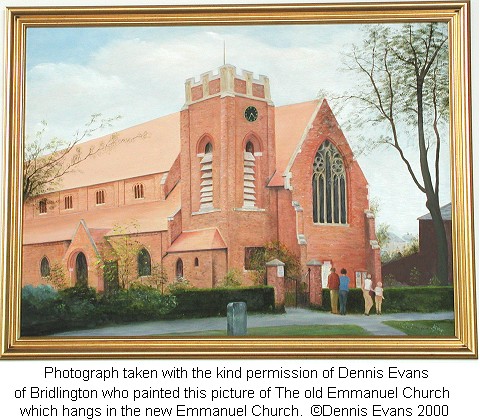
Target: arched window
329,186
144,263
42,206
100,197
81,270
179,269
138,191
206,178
44,267
196,262
249,198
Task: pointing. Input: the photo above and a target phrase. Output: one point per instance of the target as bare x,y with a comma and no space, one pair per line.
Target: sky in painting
139,73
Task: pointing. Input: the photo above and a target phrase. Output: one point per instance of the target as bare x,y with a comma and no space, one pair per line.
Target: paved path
294,316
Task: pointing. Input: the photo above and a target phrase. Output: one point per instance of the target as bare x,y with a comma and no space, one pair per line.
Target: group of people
339,286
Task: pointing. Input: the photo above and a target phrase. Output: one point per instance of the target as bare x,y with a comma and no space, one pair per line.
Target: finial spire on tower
224,53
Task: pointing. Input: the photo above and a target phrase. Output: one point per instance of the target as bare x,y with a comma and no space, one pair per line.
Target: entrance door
81,270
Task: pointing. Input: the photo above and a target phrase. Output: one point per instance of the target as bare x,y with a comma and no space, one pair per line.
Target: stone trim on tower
227,83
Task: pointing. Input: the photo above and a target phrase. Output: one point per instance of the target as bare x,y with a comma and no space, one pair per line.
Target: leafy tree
383,235
123,247
405,95
233,278
57,277
273,250
158,278
46,161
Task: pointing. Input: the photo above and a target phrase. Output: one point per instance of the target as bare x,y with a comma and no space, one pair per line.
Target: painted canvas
302,169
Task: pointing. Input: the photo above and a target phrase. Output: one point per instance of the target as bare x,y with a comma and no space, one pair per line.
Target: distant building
227,174
424,262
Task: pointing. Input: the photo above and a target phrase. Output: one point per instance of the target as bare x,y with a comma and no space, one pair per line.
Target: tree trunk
433,204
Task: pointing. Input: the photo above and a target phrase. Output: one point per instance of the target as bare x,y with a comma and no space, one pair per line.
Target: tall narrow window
44,267
329,186
81,270
100,197
138,191
179,269
42,206
68,202
249,198
206,181
144,263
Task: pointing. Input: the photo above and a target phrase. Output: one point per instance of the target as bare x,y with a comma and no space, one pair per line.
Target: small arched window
44,267
138,191
100,197
196,262
144,263
179,269
329,186
206,178
42,206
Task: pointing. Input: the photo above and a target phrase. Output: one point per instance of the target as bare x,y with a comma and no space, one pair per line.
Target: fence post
276,278
315,283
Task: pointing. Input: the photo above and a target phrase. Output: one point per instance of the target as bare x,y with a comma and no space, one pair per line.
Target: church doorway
81,270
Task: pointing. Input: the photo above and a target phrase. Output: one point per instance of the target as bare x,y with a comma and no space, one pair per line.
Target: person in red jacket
333,284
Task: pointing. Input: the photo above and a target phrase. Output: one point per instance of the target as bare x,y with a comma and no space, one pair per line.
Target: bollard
237,318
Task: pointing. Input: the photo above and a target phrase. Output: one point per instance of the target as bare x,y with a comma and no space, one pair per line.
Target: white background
460,376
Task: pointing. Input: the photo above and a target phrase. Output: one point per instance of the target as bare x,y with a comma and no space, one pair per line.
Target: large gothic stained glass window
329,186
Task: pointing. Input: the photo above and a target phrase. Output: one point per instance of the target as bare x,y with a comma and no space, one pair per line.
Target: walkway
294,316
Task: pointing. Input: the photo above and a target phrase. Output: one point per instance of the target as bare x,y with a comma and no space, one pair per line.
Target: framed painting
238,181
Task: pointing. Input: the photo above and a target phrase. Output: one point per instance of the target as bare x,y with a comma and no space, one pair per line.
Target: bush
138,303
404,299
46,311
212,302
232,279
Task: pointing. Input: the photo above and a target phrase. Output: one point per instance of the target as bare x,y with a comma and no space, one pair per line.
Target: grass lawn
442,328
290,331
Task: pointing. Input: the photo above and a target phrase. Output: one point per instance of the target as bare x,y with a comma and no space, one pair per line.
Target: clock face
251,113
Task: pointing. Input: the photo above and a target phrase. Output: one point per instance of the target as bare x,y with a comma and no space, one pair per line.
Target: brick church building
228,173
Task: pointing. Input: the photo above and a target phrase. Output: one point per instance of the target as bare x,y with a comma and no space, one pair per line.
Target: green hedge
47,311
401,299
212,302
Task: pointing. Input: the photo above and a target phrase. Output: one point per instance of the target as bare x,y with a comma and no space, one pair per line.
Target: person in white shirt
366,288
379,297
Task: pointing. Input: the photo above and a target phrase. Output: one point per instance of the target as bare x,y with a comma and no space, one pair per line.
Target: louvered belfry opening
249,194
206,181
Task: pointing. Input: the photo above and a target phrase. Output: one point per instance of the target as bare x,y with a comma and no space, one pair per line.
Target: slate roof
445,210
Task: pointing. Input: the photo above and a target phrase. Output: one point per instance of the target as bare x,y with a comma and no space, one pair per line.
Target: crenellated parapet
226,82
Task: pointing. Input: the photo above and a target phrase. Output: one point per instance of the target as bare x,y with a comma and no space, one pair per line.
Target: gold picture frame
463,345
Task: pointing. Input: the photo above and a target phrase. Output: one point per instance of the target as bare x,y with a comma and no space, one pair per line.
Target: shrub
179,285
38,308
138,303
233,278
403,299
212,302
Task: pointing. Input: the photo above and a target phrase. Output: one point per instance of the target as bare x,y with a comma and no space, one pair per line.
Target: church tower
227,157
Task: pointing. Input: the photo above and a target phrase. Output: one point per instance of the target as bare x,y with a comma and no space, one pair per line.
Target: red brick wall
210,271
32,256
229,135
344,245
